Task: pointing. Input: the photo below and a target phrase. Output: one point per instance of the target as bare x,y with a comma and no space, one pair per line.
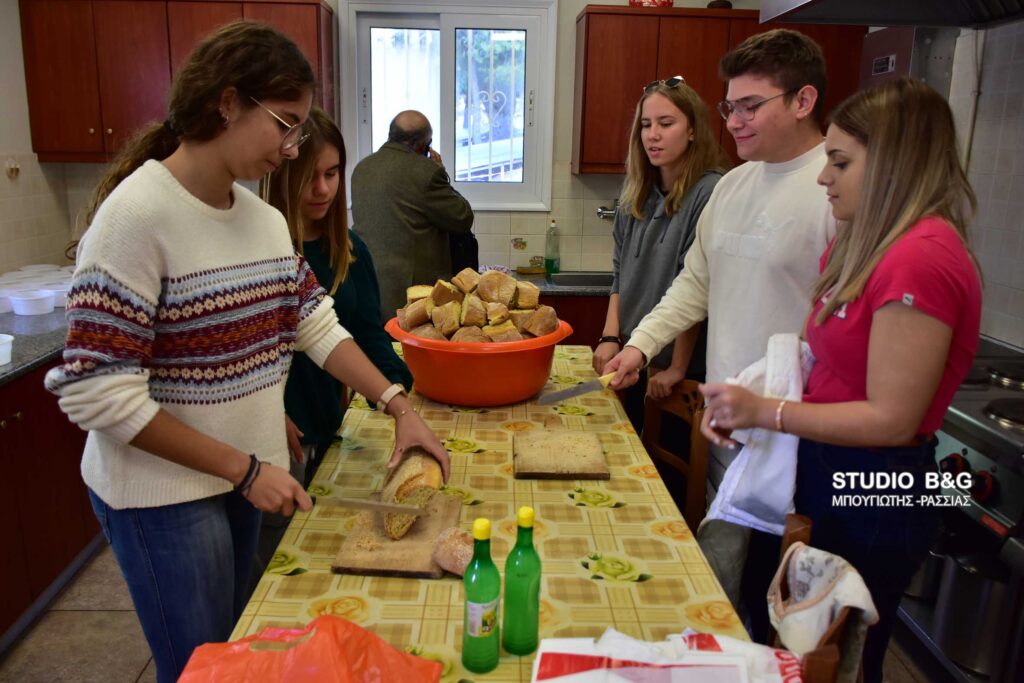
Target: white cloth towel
757,490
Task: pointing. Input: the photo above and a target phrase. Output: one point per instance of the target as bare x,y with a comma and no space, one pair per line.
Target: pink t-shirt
928,268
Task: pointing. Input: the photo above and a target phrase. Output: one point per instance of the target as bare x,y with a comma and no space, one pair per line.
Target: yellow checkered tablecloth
615,553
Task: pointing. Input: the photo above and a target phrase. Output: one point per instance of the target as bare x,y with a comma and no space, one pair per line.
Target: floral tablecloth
615,553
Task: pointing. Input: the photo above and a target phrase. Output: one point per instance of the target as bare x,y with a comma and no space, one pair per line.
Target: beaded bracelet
250,474
245,489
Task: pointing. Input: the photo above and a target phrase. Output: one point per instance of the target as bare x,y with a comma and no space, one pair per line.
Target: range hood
963,13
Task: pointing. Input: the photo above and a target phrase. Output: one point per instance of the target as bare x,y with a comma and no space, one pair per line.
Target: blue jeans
886,545
187,568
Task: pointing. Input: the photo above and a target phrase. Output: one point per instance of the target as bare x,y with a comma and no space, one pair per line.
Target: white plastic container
59,291
32,302
5,301
6,342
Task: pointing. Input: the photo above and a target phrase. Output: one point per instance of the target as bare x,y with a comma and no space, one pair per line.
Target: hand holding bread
412,432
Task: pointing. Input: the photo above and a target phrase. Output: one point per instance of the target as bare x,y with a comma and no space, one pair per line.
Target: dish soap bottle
552,262
522,590
481,585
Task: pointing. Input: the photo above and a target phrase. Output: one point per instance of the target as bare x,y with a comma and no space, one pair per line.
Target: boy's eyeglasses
293,135
746,112
668,83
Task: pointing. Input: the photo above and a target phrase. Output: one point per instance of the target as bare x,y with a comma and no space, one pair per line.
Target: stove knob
954,464
984,486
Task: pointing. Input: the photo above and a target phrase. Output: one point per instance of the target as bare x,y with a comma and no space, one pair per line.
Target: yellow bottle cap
525,516
482,529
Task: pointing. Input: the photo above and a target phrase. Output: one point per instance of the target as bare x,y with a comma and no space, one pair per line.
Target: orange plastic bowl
474,375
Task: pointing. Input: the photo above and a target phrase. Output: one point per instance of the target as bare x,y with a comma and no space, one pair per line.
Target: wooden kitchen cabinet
586,314
621,49
98,70
50,519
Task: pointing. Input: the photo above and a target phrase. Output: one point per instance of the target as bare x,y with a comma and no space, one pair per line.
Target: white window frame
537,17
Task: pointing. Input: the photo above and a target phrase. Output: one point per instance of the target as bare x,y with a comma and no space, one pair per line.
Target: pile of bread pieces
416,481
492,307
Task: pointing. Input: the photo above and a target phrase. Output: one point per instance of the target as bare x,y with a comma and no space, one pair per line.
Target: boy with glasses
755,257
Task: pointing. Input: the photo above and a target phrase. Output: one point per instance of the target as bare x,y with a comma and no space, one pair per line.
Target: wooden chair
820,665
687,403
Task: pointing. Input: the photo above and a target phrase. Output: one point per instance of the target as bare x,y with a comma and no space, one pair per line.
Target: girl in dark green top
310,192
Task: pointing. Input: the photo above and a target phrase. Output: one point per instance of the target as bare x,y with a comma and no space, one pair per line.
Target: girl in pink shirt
894,327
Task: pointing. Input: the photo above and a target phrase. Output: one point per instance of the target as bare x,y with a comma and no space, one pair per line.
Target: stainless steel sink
581,279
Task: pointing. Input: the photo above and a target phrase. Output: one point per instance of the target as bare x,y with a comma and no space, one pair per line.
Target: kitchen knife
367,504
593,385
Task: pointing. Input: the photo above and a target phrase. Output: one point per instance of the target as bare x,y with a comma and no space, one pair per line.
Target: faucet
605,212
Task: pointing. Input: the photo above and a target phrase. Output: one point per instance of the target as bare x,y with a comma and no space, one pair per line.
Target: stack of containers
34,289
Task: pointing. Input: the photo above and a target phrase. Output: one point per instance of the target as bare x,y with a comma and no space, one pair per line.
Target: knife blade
367,504
592,385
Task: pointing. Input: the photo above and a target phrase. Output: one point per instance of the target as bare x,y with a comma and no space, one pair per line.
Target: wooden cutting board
369,551
558,453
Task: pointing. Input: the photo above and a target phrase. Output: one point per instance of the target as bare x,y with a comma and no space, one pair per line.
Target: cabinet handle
110,131
92,131
18,416
3,424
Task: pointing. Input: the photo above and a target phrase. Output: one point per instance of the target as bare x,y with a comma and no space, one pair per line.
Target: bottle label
482,618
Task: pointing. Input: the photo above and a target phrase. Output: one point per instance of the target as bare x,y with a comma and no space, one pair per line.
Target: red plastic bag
328,650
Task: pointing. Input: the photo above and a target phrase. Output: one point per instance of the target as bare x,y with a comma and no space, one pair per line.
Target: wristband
779,427
388,394
250,474
609,338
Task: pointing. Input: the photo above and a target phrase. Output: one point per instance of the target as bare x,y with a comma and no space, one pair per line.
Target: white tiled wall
996,171
586,240
33,213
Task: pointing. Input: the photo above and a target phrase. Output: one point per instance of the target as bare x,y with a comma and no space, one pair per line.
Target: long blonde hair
913,170
285,187
703,154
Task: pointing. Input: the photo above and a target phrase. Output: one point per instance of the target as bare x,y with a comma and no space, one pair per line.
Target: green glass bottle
522,590
481,642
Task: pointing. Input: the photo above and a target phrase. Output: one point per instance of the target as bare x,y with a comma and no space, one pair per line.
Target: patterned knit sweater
181,306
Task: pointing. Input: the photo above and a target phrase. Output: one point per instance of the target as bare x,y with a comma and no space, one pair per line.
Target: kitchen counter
38,339
550,288
614,553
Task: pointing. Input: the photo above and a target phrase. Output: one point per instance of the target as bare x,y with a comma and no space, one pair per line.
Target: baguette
466,280
527,294
417,481
417,292
444,292
453,550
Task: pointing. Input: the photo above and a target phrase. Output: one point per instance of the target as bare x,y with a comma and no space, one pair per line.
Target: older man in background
406,210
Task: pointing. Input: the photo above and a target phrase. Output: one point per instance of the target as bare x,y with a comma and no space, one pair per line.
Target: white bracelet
387,395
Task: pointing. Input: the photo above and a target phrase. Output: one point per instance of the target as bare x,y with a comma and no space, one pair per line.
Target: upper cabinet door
190,22
60,74
298,22
691,47
134,66
621,57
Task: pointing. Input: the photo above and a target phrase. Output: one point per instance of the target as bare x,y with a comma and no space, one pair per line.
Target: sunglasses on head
668,83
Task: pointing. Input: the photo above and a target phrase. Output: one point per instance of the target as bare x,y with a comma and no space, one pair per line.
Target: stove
982,436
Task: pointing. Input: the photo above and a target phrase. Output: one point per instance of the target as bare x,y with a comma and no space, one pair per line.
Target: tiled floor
91,633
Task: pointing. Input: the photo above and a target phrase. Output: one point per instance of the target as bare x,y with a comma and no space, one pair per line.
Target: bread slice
543,321
466,280
428,331
400,314
417,292
444,292
473,311
503,332
446,318
470,334
417,481
527,294
497,287
453,550
519,318
417,313
496,313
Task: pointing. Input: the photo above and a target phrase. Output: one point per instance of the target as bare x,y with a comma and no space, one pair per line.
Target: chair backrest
820,665
687,403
